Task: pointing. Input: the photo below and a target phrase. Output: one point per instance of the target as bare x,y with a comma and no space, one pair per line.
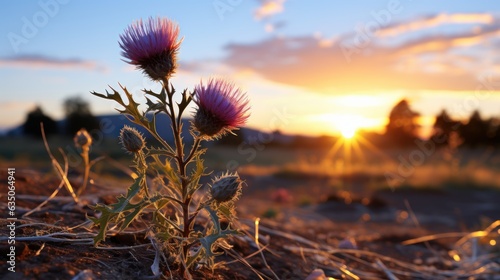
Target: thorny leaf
152,107
186,99
162,96
112,213
106,217
197,173
168,171
210,242
130,109
137,209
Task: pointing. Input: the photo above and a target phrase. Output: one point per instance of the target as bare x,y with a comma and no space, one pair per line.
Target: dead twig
59,170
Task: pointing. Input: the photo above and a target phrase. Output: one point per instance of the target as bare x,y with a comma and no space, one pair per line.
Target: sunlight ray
373,148
357,149
336,147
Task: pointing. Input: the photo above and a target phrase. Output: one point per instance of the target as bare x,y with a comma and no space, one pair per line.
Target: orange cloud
269,8
303,62
433,61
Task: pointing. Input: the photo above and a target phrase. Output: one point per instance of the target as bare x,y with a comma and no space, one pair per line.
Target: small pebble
348,243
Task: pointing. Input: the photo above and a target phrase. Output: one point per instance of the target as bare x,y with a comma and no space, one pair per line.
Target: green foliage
173,208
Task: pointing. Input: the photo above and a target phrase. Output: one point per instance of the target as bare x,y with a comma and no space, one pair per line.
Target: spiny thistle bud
82,139
152,46
221,108
131,139
226,188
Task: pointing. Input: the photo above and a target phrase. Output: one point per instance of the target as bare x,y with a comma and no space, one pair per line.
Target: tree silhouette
31,126
402,129
444,125
78,115
475,131
494,131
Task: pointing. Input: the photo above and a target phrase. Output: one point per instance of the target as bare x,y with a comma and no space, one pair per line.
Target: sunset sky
309,67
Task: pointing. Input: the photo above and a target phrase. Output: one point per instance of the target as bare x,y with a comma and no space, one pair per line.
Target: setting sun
345,124
348,124
347,132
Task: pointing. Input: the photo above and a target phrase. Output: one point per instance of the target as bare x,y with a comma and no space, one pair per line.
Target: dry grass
436,172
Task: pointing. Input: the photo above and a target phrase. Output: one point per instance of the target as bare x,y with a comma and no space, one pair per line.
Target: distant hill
110,126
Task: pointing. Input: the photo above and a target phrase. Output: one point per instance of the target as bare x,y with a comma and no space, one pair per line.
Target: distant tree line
77,116
402,129
474,132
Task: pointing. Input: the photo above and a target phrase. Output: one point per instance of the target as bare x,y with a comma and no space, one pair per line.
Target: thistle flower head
152,46
82,139
226,188
221,108
131,139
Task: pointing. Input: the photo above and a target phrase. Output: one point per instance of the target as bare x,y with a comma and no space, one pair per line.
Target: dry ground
306,223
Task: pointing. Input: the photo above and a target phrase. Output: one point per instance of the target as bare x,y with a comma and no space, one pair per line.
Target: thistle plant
175,199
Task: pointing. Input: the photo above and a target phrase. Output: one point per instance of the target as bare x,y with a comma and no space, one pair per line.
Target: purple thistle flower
221,108
152,46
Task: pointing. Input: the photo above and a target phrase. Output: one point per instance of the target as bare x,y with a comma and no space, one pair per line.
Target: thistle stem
181,163
194,149
85,156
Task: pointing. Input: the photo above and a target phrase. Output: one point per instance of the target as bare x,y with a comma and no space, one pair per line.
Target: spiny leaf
170,173
192,259
196,175
154,106
209,241
160,220
133,214
215,219
186,99
226,211
132,191
132,109
162,96
114,96
106,217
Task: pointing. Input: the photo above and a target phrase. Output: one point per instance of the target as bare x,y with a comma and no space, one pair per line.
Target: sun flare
347,125
347,132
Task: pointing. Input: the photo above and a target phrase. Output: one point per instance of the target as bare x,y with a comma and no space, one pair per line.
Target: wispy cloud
269,8
431,21
42,62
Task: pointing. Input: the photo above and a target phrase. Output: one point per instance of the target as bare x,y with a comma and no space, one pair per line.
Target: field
364,214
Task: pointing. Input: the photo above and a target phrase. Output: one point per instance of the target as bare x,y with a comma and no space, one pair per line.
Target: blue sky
302,59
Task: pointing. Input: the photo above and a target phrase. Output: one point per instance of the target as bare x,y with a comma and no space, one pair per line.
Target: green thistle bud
226,188
82,139
131,139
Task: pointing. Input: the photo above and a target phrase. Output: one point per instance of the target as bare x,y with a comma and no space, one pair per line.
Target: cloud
432,61
430,21
269,8
42,62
